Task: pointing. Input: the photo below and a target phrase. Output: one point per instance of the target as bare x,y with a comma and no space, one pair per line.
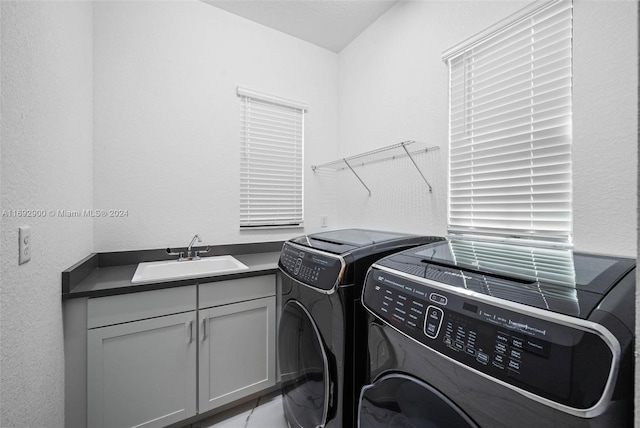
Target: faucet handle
172,253
206,250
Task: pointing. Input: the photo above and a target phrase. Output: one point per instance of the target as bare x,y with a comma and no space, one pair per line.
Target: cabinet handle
204,329
190,330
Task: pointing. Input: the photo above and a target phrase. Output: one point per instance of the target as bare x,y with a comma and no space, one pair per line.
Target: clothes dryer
321,342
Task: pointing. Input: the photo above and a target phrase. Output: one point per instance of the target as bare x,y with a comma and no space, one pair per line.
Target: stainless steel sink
173,270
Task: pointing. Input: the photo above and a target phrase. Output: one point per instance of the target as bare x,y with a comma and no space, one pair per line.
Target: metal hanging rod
348,162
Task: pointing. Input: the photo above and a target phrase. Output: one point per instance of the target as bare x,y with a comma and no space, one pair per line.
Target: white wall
605,126
46,103
166,122
393,87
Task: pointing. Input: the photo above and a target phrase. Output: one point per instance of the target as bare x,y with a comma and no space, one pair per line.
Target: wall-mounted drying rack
377,155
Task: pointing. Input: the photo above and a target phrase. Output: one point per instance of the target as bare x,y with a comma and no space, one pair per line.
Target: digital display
469,307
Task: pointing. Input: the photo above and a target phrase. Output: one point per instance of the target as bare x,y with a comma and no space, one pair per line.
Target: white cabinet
237,339
237,351
151,354
141,373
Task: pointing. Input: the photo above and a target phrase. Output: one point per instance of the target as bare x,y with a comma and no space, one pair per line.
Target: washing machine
321,342
468,334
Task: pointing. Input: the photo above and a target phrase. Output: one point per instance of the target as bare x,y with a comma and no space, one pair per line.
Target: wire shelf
375,156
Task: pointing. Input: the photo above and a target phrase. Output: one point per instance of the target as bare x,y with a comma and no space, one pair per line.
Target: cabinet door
237,351
142,373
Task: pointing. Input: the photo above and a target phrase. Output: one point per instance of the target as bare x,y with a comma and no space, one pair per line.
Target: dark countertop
109,274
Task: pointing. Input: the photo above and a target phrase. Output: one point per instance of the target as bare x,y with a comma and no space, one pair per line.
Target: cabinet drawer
236,290
102,311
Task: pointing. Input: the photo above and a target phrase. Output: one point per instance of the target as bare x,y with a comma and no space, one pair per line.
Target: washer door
398,400
304,367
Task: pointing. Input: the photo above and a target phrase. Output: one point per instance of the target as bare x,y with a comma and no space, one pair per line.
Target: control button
537,347
297,268
435,313
514,365
501,348
471,351
517,342
515,353
498,358
432,330
438,298
433,321
400,296
412,324
415,302
459,345
502,338
482,358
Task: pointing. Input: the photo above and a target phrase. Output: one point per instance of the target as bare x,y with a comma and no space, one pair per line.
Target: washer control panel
316,269
550,359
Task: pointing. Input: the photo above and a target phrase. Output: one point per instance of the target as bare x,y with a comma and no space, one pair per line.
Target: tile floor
265,412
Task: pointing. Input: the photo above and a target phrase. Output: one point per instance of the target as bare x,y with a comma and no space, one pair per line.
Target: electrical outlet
324,221
24,234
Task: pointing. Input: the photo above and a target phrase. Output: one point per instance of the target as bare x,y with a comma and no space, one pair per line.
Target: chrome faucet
182,257
191,245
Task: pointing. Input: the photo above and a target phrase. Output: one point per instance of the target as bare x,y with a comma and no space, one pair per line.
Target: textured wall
167,119
393,87
605,126
46,153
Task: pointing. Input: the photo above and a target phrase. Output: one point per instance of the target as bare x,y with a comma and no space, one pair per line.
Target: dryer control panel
311,267
553,360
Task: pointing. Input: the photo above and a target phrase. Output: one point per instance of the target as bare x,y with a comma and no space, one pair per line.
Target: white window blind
271,173
510,127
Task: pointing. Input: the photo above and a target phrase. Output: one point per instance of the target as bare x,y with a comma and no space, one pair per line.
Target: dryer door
304,367
398,400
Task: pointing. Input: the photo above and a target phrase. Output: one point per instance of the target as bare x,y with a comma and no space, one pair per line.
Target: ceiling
331,24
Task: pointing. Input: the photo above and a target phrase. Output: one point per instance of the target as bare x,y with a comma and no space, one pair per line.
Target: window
510,127
271,173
